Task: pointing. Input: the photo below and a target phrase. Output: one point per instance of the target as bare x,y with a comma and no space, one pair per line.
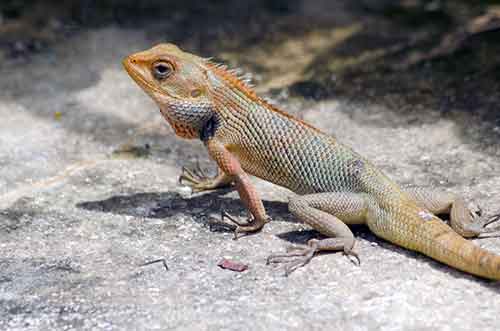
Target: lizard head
177,82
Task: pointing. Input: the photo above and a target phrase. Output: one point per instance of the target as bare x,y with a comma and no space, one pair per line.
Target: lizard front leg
463,220
327,213
230,165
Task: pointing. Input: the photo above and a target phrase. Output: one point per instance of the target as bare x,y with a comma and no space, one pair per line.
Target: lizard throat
186,119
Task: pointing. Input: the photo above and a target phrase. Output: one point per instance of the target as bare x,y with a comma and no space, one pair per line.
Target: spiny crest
242,83
270,101
233,75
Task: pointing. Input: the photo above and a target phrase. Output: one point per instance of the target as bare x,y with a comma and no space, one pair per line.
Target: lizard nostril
130,60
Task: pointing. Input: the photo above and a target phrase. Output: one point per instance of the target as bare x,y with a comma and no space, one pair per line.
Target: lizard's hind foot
297,257
480,226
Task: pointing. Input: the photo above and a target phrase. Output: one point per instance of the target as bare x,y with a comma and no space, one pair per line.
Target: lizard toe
482,229
298,257
353,257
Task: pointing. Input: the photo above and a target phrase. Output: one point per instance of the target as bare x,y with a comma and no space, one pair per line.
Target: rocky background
88,183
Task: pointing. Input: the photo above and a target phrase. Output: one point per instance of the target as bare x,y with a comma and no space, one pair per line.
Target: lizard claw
197,179
199,171
302,255
487,232
296,257
475,210
189,176
232,219
353,257
245,228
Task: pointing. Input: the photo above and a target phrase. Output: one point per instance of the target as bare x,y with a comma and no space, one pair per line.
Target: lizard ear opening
196,93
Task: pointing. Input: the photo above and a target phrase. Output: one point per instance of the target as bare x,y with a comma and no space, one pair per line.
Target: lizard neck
233,101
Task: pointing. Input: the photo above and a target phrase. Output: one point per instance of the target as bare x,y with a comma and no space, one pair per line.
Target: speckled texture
70,248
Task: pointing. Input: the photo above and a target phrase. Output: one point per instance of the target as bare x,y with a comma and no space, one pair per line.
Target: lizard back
280,149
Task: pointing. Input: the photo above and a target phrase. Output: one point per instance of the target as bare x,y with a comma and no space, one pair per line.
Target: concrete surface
87,194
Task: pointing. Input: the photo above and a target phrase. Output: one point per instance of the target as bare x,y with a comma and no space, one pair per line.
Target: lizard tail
438,241
434,238
452,249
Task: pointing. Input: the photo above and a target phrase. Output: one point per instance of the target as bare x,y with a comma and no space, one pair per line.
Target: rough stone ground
86,196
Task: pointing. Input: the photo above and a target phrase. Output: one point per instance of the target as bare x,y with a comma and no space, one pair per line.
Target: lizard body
335,186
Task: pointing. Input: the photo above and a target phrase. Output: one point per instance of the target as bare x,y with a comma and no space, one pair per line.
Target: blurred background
445,50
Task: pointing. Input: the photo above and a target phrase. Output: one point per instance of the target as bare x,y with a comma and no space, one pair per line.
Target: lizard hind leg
466,221
327,213
469,224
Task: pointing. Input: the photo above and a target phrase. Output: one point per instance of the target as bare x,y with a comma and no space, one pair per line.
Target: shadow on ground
166,205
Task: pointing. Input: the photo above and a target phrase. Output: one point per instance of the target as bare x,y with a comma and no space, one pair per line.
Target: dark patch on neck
209,128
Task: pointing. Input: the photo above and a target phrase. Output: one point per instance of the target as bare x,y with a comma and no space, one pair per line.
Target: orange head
177,81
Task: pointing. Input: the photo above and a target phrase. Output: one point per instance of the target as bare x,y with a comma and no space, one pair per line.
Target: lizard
334,186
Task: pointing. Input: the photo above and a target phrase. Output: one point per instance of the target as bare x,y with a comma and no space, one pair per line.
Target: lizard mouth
139,78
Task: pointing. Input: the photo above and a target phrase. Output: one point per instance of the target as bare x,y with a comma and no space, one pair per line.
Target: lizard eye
162,70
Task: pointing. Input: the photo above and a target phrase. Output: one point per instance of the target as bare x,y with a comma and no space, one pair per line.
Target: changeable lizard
335,186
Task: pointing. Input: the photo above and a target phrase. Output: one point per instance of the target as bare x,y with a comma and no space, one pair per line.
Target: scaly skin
334,185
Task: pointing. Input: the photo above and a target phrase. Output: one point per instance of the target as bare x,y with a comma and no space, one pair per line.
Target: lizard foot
302,255
199,181
480,226
251,225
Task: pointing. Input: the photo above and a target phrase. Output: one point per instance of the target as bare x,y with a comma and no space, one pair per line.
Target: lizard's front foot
297,257
251,225
199,181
